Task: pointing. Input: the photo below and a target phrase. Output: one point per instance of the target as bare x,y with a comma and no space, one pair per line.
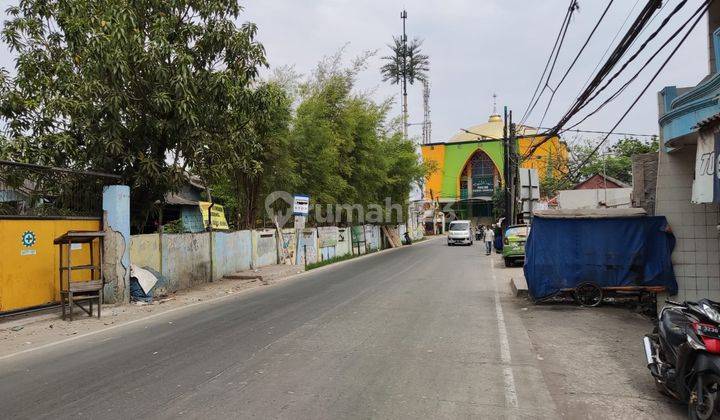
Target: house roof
601,213
615,181
176,200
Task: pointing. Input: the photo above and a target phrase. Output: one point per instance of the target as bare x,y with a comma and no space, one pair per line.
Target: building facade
687,118
469,167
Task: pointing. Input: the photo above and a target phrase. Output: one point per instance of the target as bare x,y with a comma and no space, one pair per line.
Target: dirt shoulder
24,333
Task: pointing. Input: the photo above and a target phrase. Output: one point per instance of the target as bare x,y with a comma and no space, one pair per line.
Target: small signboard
301,205
327,236
706,186
218,215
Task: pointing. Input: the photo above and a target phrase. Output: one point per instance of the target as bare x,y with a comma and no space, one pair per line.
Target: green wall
457,155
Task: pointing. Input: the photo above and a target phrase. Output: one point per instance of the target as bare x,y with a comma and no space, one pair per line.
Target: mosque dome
493,129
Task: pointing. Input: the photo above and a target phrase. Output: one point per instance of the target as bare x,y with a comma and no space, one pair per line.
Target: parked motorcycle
683,355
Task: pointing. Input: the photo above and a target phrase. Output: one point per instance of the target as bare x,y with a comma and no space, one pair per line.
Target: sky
476,48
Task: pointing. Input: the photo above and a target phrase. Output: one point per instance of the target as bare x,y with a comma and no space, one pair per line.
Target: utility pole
403,16
506,166
514,168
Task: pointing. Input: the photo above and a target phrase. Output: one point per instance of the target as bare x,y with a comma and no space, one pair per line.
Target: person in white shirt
489,239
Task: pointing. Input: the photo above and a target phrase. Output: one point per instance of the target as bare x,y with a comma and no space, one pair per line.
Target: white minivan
460,232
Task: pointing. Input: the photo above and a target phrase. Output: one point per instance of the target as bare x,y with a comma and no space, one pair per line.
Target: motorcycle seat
673,326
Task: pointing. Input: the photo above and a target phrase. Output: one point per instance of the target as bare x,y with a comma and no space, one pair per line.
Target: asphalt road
427,331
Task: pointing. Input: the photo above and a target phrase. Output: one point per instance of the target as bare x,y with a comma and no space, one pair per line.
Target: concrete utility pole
514,170
506,165
403,16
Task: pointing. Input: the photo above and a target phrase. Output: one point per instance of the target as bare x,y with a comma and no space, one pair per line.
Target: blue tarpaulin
561,253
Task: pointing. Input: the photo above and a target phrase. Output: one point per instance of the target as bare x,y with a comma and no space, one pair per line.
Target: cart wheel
588,294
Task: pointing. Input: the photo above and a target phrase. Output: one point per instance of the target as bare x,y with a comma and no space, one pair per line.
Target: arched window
479,178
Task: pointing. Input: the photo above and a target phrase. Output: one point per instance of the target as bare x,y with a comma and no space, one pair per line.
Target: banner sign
301,205
327,236
706,186
483,185
218,215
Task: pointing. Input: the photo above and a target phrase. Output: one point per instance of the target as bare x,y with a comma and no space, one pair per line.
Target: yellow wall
433,183
553,150
29,275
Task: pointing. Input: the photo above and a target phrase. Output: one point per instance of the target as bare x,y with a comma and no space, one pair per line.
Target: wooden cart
590,294
74,291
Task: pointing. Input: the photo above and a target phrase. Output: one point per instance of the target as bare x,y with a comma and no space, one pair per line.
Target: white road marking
510,391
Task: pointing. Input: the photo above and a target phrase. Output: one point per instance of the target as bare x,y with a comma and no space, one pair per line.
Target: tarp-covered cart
593,254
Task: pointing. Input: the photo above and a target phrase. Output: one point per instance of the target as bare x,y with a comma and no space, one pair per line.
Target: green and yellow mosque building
470,166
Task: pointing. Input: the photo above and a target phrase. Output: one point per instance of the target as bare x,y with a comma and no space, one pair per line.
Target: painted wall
265,248
116,244
695,258
306,247
592,198
145,250
343,244
451,158
232,252
457,155
29,274
186,259
436,155
550,157
287,247
372,237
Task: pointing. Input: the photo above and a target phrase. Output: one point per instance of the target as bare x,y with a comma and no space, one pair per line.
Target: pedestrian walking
489,239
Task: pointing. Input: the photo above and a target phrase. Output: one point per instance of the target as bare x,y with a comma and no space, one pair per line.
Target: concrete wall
696,258
343,245
372,237
595,198
145,250
186,259
116,253
644,171
287,246
232,252
264,248
306,247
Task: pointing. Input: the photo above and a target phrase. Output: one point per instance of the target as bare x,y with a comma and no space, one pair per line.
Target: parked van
460,232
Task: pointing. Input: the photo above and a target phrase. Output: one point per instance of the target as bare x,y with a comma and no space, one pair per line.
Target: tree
142,89
406,61
247,169
616,162
345,151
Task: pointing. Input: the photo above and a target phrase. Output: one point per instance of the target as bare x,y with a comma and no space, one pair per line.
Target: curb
360,257
518,292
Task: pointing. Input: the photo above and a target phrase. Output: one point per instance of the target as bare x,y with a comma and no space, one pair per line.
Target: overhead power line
577,56
642,19
553,53
608,132
635,55
703,8
634,77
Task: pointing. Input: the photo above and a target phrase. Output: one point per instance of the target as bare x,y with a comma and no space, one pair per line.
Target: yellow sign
218,215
